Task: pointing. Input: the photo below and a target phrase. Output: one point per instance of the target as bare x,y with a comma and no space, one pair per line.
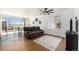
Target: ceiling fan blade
48,13
50,10
44,13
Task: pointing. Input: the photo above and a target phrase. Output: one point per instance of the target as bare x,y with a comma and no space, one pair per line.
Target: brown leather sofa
31,32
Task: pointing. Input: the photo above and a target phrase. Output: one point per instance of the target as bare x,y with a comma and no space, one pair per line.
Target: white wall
65,14
44,21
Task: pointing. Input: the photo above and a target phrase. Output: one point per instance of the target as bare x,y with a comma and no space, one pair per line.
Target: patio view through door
11,27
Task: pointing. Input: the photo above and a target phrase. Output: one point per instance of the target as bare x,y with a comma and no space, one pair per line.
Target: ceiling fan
46,11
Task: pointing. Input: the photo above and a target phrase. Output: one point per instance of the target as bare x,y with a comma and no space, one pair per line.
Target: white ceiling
24,11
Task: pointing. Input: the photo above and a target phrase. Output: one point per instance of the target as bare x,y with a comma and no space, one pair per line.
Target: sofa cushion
36,28
28,28
34,32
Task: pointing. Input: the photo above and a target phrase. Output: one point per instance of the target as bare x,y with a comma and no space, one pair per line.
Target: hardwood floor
62,45
22,44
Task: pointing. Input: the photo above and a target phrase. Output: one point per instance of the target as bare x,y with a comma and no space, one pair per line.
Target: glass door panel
12,26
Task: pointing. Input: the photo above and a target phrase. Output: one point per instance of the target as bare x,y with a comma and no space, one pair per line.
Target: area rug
50,42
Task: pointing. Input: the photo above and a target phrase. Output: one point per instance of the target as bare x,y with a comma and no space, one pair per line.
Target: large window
54,23
12,24
58,22
51,24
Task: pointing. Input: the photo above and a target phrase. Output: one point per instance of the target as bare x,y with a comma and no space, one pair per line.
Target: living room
48,23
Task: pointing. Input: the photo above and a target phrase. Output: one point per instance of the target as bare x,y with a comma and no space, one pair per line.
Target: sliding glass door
12,26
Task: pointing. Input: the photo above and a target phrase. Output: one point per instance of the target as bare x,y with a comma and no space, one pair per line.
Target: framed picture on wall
36,19
39,22
33,22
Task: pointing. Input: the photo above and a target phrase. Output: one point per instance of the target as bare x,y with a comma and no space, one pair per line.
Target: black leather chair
31,32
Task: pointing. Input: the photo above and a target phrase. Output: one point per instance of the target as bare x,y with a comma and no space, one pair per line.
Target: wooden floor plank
22,44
